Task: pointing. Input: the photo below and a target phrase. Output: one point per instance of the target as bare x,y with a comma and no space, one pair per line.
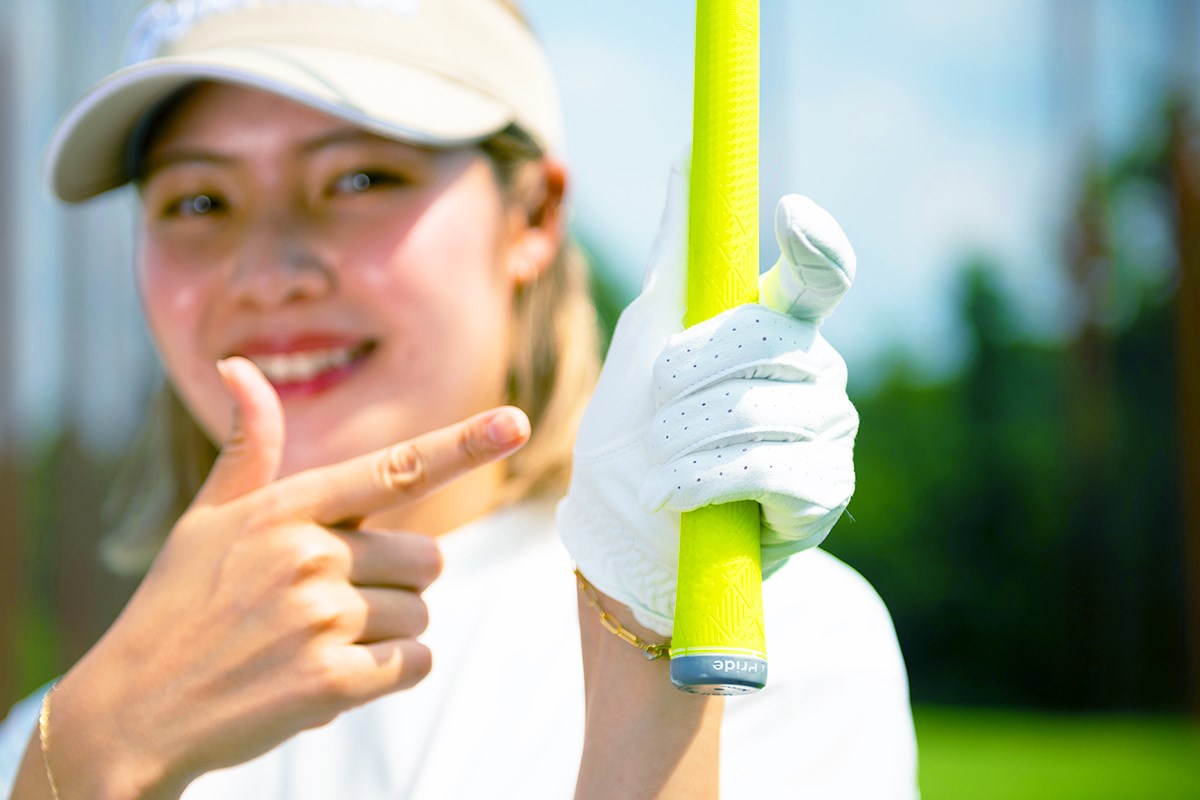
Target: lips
307,365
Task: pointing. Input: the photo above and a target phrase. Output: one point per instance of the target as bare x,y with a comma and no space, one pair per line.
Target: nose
278,263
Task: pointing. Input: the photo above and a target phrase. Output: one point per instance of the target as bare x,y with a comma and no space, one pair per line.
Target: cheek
170,298
453,240
173,302
440,286
472,290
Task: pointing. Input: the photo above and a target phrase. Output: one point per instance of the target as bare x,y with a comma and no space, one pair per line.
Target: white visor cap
441,73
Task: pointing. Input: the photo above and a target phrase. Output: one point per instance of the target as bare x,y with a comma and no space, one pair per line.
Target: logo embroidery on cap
166,21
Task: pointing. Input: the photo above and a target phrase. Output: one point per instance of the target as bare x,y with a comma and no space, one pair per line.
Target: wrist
642,736
91,748
649,643
633,662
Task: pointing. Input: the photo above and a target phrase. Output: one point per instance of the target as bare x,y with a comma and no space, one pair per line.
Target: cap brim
87,154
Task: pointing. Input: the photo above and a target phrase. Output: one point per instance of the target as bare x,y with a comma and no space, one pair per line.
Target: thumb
817,263
250,456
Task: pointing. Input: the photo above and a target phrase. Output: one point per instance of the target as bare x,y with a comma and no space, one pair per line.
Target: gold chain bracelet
43,735
611,624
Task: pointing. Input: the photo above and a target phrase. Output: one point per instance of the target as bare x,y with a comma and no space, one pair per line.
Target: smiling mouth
311,371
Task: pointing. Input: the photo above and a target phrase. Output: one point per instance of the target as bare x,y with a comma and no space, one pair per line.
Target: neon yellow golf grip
719,646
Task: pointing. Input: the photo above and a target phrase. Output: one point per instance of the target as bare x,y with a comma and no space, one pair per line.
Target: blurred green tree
1022,518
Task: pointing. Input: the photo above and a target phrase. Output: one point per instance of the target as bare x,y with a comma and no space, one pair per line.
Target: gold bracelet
43,735
611,624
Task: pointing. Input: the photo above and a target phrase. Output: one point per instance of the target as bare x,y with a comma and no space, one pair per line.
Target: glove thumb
623,391
816,265
251,455
665,278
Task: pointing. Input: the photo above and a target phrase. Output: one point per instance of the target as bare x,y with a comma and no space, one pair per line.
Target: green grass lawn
975,754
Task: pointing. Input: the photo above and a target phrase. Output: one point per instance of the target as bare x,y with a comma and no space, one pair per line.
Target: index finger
407,471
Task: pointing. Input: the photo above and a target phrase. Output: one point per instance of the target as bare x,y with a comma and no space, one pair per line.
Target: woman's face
371,281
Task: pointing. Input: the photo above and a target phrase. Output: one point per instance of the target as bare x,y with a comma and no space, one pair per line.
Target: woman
351,256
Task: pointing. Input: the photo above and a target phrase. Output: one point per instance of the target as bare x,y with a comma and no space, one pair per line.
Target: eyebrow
341,136
176,157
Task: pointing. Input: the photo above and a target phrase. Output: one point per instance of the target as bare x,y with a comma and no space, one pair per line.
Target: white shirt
501,714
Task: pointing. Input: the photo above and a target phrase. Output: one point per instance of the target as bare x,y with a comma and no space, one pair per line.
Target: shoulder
827,625
15,732
819,601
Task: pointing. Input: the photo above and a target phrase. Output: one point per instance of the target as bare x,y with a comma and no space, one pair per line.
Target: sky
931,130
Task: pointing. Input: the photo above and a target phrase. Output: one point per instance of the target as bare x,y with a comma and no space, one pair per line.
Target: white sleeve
15,732
834,720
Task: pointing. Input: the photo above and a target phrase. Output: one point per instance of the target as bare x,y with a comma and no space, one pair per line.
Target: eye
195,205
360,181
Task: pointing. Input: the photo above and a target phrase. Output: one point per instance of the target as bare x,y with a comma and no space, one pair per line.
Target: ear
537,223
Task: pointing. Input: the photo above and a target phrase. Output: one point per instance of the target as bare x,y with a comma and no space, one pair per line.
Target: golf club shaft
719,645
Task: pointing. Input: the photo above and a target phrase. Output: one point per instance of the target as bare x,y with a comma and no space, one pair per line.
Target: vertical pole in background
1185,155
719,646
1093,659
1185,168
1185,185
13,565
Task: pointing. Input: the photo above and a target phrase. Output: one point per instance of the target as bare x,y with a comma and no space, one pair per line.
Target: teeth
296,367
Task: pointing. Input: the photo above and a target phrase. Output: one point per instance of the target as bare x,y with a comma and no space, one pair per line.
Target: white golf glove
750,405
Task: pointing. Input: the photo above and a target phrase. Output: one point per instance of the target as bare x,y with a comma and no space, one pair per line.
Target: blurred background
1021,179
